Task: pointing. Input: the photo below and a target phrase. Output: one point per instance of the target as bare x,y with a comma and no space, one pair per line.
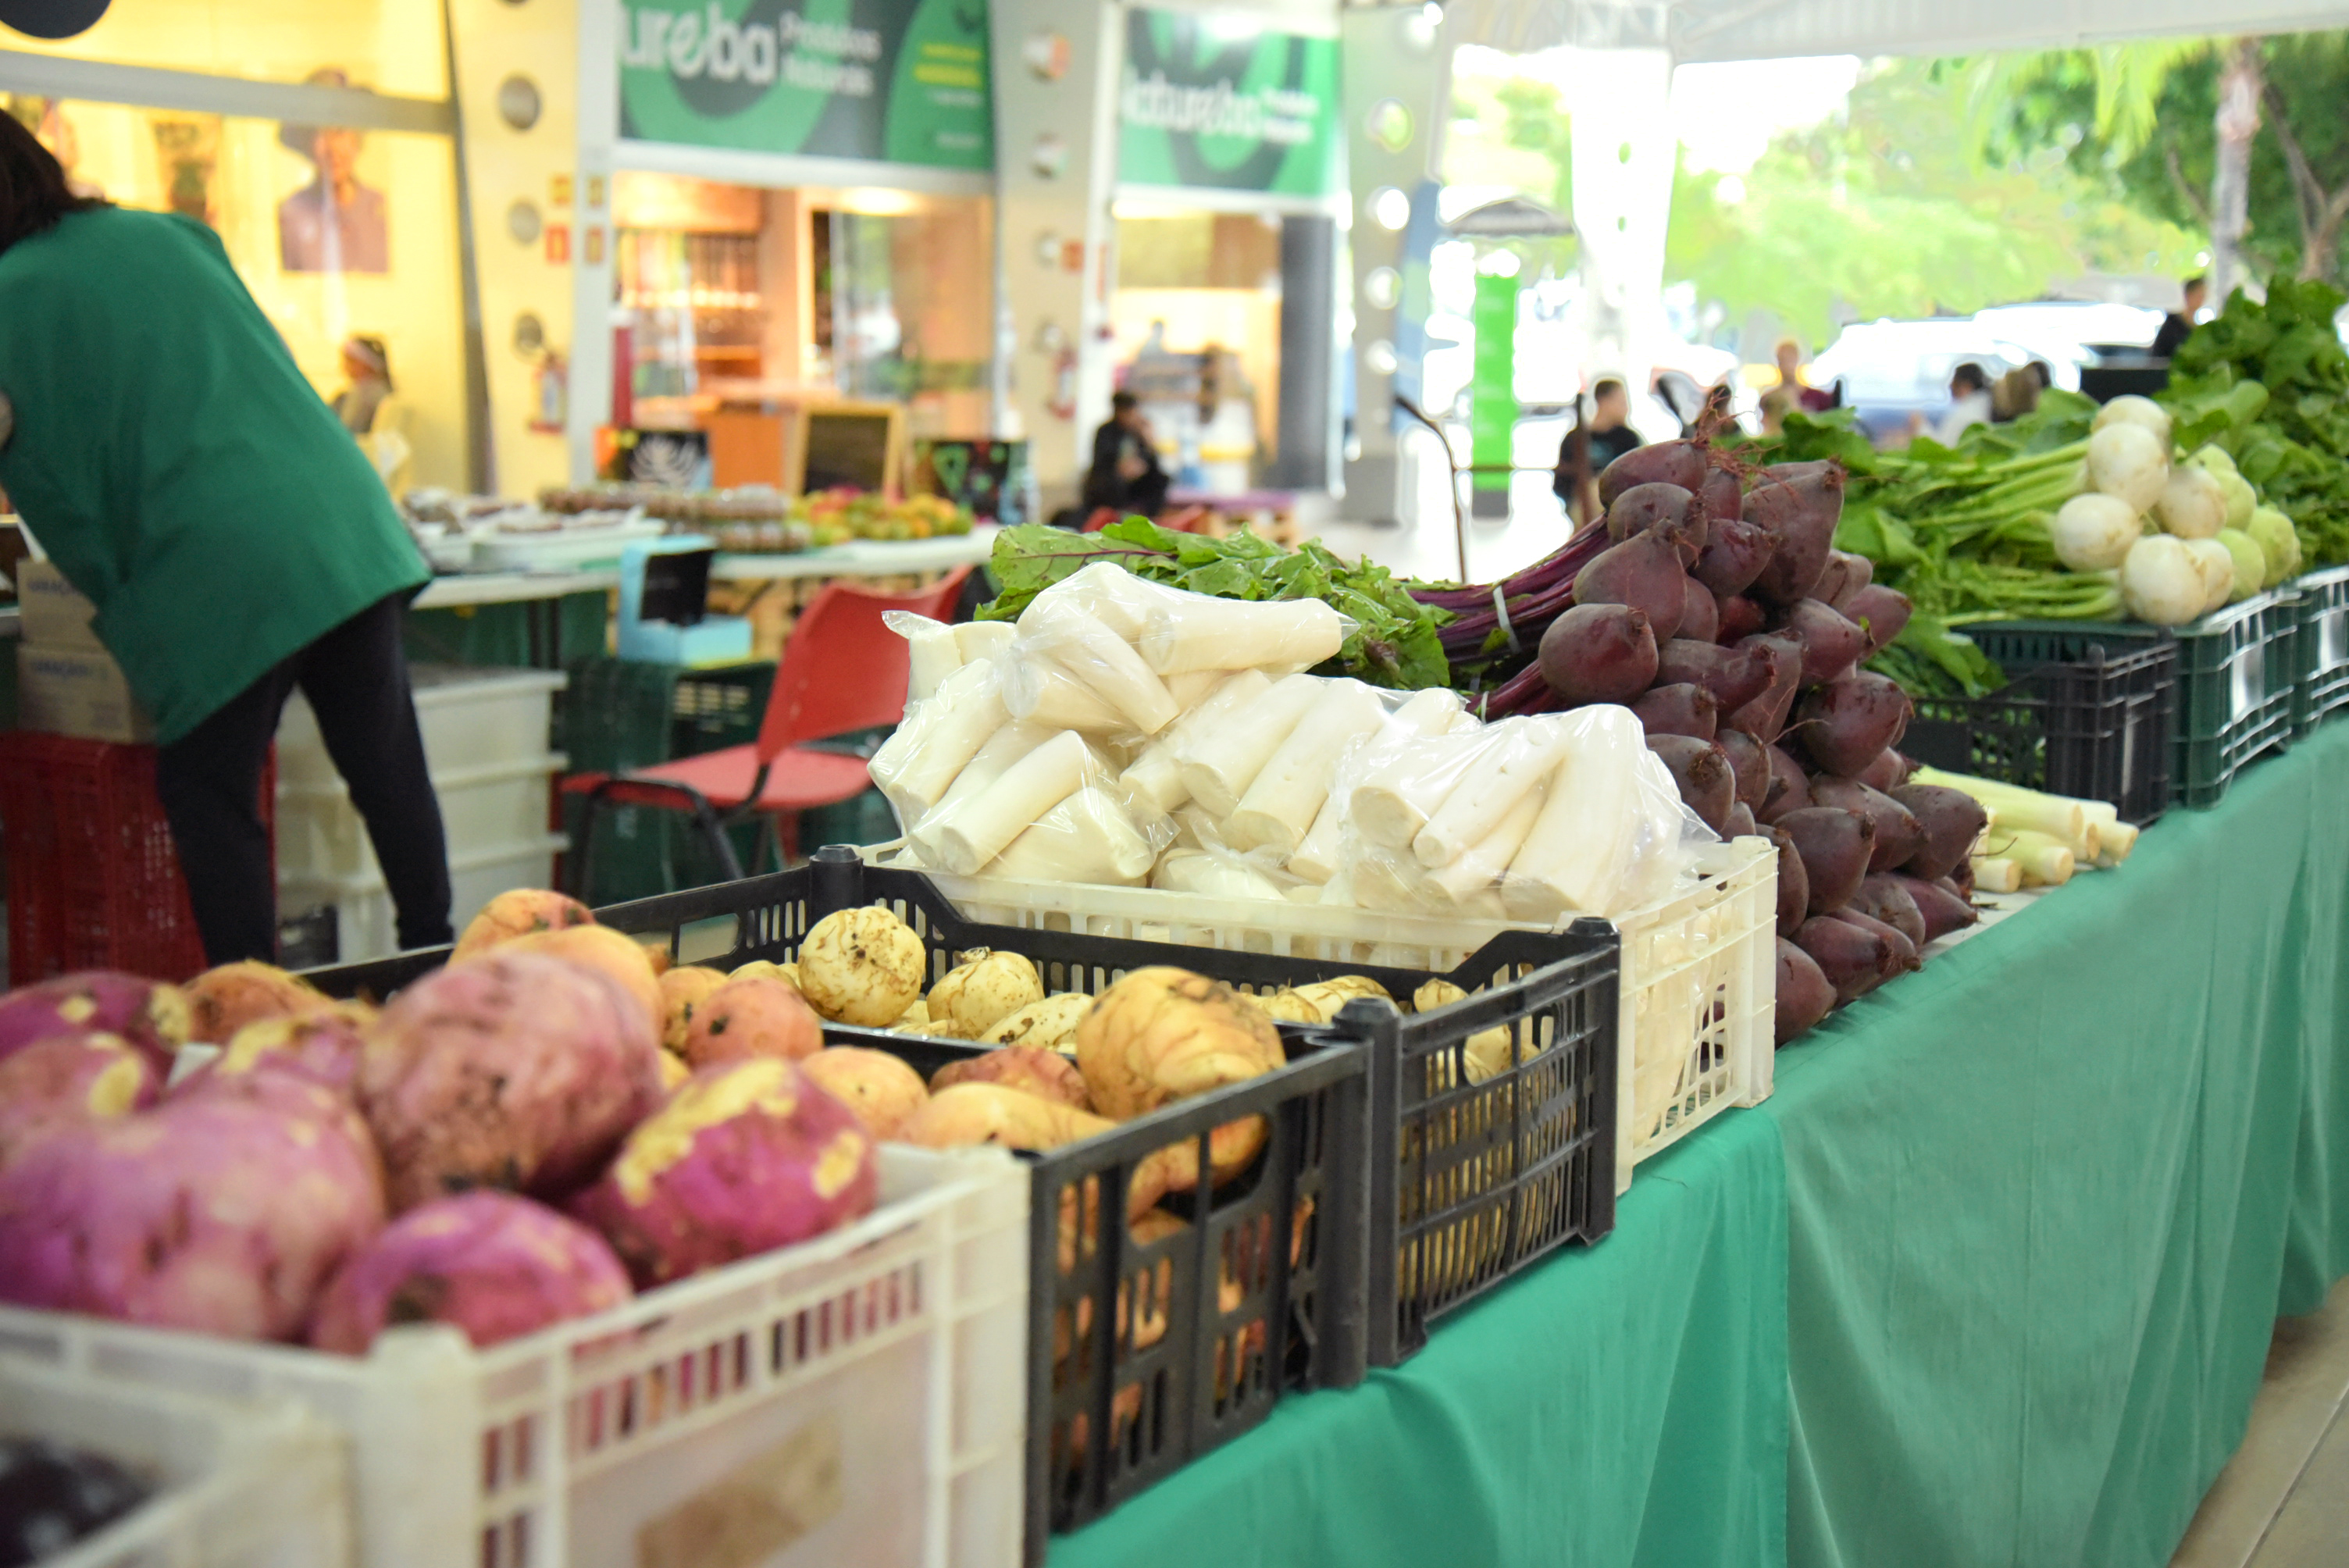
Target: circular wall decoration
51,18
1389,208
1047,55
523,223
1382,287
1050,155
519,104
1388,123
529,336
1380,357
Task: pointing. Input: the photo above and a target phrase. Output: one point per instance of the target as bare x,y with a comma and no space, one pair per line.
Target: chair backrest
842,668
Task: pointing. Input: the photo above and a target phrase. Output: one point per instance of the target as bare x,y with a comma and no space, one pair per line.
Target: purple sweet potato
1844,724
511,1070
1887,772
1941,909
1831,645
1952,822
219,1213
1598,653
226,998
1700,614
1707,783
1897,832
1733,555
1794,883
1882,897
1789,789
1682,710
490,1263
1643,572
1834,845
1682,463
325,1047
69,1079
1799,504
1852,961
146,1014
1724,502
1902,951
1749,759
1740,618
746,1157
1879,610
1665,509
1803,995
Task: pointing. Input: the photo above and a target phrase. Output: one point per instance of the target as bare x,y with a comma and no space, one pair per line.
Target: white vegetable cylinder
1201,633
915,766
983,639
1579,851
1483,862
1212,876
1087,837
1394,802
981,826
1107,591
1004,747
1522,753
1288,791
1156,776
1083,645
1220,763
931,653
1425,713
1038,691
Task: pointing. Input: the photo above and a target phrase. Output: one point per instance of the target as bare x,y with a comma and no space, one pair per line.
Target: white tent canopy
1703,30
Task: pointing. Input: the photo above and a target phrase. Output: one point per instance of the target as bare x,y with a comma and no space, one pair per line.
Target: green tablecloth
2047,1197
1622,1406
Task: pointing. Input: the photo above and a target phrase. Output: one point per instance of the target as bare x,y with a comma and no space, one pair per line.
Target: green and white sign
901,81
1227,104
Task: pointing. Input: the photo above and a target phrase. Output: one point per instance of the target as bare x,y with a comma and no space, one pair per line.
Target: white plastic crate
321,834
1682,1062
471,718
364,917
857,1399
236,1485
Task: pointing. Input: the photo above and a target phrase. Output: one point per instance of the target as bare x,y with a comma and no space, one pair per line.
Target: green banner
1225,103
900,82
1493,381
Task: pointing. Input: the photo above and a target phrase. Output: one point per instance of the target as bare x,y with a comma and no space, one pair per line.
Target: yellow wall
390,45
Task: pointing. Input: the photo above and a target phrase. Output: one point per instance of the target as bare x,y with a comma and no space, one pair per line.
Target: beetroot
1735,552
1846,576
218,1212
511,1070
1643,572
1708,786
1897,832
747,1156
1679,710
1901,953
1881,897
1831,645
149,1017
1734,677
1835,846
1740,618
1952,822
1799,504
67,1079
1789,789
1700,614
1749,761
1844,724
1659,509
1765,718
1742,825
492,1264
1941,909
1879,610
1851,960
1803,995
1724,502
1681,464
1794,883
1598,653
1887,772
1961,880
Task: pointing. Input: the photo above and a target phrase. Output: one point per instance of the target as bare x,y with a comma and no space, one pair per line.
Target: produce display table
864,558
537,618
1990,1279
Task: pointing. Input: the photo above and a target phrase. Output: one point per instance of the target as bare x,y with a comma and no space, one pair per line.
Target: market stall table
2034,1212
864,558
557,611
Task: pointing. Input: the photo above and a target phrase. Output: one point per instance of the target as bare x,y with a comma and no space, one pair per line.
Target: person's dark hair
2046,372
1970,375
33,191
372,352
1605,386
1124,402
2189,286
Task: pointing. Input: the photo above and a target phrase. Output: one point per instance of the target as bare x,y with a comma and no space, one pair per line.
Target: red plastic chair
841,670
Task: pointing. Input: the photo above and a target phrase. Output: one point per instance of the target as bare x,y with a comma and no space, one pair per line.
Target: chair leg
721,845
787,839
581,863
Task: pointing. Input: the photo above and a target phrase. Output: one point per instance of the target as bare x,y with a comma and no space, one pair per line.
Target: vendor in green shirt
166,452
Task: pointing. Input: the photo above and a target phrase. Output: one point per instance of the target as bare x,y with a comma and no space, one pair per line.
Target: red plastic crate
94,882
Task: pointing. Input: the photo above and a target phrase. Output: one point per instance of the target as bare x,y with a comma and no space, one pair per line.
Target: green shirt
175,464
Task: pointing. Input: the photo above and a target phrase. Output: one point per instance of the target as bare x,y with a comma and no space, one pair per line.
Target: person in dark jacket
175,465
2178,325
1125,476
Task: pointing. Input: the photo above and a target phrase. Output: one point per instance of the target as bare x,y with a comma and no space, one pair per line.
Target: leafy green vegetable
1394,644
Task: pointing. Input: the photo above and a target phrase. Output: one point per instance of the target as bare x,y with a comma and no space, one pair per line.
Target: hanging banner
898,81
1227,104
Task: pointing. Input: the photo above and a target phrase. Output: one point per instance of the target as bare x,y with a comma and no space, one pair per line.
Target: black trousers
356,677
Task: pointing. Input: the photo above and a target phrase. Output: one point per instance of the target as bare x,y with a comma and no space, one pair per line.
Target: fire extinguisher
550,394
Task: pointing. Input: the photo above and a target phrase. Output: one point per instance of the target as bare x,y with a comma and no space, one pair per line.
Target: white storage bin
471,718
858,1400
236,1485
320,833
1681,1062
364,917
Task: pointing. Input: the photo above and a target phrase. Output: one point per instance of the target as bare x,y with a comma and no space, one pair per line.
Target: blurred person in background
2178,325
1776,404
1604,436
179,469
2013,395
1970,405
1809,399
375,419
1125,476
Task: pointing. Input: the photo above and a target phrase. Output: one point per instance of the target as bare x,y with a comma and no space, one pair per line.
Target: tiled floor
2282,1502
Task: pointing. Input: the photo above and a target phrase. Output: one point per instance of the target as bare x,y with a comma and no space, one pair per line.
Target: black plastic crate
1391,1188
2095,728
2323,646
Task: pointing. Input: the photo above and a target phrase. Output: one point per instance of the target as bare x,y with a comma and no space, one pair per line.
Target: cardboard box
54,615
72,691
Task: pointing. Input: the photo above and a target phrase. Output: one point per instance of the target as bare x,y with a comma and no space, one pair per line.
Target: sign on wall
901,81
1225,103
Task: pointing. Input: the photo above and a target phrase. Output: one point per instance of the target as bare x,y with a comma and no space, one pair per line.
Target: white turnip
2126,460
2217,566
2092,533
2131,409
2159,582
2191,505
